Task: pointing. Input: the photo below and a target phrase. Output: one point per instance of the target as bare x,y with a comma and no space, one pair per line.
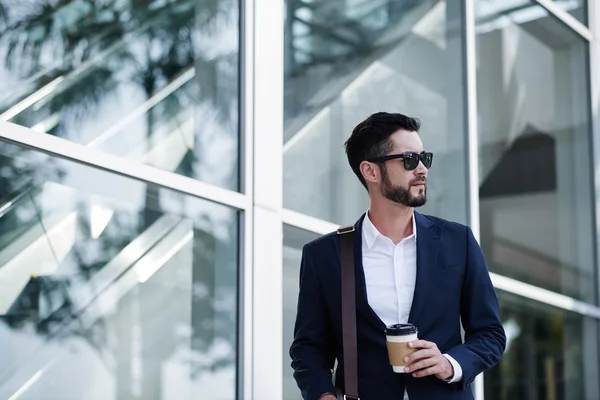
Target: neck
391,219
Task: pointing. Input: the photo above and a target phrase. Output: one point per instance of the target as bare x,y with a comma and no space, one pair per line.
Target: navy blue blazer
452,285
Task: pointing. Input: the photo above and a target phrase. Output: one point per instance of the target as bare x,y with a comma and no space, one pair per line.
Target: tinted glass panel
111,288
293,241
550,354
346,59
535,165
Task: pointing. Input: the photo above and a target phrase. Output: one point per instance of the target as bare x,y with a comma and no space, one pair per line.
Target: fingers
436,369
419,355
429,362
426,361
422,344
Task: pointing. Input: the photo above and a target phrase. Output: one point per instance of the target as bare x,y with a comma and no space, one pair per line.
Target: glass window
154,81
346,59
535,165
111,288
293,241
551,354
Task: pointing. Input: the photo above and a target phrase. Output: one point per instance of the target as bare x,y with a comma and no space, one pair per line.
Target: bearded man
409,269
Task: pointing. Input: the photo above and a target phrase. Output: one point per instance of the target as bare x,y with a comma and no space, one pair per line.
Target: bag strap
346,235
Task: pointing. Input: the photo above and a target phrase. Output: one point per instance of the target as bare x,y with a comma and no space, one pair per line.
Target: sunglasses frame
420,157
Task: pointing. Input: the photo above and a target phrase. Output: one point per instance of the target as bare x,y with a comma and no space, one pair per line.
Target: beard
403,195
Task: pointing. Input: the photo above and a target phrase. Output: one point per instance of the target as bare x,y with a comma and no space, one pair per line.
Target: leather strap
346,235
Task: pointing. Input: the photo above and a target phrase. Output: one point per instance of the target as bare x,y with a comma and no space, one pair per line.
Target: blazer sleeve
312,348
485,339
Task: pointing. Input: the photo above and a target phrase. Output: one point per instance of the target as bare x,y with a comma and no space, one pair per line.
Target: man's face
406,187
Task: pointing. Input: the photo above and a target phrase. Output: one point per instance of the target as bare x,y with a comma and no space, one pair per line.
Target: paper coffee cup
397,338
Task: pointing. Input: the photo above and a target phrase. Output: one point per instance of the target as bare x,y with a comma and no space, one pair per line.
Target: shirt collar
370,232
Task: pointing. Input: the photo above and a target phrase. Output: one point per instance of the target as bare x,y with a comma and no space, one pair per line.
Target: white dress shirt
390,275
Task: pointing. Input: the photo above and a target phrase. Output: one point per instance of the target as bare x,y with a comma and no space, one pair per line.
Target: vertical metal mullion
267,296
594,68
472,134
472,138
246,283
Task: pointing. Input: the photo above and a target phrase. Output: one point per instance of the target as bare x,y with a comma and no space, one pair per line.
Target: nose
421,169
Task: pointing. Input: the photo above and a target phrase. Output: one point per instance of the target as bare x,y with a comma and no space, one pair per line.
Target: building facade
162,163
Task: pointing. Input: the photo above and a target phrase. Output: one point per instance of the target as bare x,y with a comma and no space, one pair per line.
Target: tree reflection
101,50
186,311
94,48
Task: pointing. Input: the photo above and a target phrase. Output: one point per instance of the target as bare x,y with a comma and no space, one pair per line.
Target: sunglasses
411,159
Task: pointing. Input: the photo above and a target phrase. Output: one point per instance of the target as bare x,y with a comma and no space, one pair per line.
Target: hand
428,361
328,397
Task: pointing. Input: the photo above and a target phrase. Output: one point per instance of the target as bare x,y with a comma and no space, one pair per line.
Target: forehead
404,140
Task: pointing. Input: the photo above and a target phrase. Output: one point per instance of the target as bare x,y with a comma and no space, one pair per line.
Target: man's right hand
328,397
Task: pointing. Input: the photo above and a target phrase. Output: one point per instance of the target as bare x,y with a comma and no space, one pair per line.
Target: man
409,268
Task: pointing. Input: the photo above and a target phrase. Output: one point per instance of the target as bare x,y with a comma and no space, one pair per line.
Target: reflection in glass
518,9
577,8
293,241
155,81
106,295
345,59
534,166
550,354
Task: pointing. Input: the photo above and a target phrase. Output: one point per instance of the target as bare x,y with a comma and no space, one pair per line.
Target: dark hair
370,138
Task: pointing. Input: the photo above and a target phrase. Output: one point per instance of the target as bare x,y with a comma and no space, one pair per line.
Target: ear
370,171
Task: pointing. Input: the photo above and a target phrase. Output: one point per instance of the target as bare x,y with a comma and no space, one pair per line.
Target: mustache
420,179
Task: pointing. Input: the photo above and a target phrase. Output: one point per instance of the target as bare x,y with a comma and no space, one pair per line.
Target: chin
419,199
418,202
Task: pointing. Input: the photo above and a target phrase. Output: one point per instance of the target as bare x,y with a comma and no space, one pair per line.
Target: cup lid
400,329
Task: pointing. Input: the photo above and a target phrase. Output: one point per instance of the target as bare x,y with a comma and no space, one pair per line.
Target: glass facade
144,251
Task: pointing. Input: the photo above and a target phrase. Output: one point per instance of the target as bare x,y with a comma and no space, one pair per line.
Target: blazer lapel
428,245
362,302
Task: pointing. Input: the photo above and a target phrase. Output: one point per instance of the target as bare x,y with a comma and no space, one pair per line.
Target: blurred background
162,163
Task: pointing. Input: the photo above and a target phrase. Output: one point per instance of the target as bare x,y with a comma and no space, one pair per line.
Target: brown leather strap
346,236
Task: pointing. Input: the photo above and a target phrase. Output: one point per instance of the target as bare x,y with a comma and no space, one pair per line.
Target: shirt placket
398,258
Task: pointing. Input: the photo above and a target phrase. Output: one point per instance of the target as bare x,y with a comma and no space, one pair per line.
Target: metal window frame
267,198
594,55
472,139
501,282
594,68
62,148
570,21
470,63
245,285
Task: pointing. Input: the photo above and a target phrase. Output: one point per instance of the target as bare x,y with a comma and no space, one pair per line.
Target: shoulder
322,254
321,244
447,226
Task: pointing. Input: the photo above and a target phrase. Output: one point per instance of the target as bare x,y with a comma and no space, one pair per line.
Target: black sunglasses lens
427,160
411,161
